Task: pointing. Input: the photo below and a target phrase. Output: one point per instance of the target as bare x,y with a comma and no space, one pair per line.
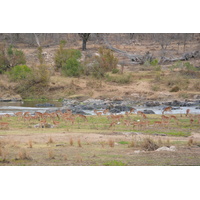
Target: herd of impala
113,119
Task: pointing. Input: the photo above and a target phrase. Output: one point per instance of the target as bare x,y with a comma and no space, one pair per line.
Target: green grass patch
114,163
123,142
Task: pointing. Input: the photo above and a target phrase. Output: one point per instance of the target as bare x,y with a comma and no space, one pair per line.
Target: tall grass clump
111,143
79,143
71,142
149,145
23,155
119,78
51,154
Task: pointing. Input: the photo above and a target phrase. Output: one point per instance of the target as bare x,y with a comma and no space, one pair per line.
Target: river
30,106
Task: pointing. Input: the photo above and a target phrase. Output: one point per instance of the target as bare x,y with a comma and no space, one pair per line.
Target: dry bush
51,154
30,144
149,145
132,144
196,85
50,141
71,142
4,154
0,151
102,143
79,143
79,158
23,155
160,142
111,143
190,142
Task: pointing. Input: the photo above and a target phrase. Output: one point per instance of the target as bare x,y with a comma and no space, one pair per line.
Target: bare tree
85,37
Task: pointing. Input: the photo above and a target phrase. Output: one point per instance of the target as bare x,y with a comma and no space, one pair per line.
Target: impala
167,109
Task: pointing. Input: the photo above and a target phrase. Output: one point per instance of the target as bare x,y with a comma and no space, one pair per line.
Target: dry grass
0,151
71,142
160,142
111,143
30,144
79,143
190,142
22,155
51,154
102,144
50,141
132,144
4,154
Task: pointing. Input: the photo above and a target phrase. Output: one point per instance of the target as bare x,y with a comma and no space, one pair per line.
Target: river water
30,106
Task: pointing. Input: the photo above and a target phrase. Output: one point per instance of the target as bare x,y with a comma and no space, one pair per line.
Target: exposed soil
94,150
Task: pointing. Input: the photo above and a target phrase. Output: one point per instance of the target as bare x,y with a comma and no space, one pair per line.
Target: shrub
154,62
62,55
175,89
15,57
115,71
19,72
149,145
72,67
10,57
105,62
36,82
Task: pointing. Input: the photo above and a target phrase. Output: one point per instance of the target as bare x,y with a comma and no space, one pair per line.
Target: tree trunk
84,44
85,37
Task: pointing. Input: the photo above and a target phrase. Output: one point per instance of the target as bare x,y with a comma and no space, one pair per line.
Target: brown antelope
6,115
56,123
144,116
112,124
19,114
132,110
187,112
158,122
26,114
69,119
167,109
164,117
4,125
42,123
82,116
106,111
174,117
140,113
127,123
99,113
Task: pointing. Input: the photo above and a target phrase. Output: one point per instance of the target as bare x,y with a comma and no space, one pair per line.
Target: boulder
45,105
172,148
148,112
152,103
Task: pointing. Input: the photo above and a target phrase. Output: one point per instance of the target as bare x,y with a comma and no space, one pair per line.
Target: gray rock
172,148
148,112
45,105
